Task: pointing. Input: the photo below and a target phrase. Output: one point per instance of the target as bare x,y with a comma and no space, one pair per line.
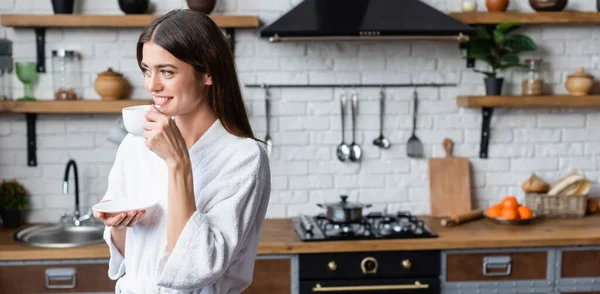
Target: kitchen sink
61,235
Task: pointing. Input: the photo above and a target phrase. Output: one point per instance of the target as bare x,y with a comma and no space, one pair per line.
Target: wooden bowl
514,222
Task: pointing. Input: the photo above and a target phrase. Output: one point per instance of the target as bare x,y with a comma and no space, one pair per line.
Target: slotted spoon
414,147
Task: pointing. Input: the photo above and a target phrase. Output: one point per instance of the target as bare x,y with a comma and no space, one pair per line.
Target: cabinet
271,275
55,277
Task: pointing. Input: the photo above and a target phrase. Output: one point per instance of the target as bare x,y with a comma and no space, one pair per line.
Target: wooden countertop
279,237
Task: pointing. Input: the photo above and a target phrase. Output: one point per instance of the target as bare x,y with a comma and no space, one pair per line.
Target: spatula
414,148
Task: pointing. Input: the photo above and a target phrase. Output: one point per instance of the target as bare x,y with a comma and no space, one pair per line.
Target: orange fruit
510,202
592,206
494,211
525,212
509,213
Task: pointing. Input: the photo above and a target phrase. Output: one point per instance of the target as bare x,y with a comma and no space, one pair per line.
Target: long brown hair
194,38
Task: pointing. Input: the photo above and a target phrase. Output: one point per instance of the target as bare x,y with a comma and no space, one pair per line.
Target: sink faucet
77,217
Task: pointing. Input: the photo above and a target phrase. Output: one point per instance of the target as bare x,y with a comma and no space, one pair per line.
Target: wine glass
27,73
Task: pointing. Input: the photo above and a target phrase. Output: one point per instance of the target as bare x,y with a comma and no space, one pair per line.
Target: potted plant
500,49
13,200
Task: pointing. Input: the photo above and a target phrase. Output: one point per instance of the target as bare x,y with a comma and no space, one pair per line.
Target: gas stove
375,225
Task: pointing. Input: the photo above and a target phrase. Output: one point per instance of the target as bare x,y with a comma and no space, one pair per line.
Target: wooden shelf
107,21
528,101
563,17
61,106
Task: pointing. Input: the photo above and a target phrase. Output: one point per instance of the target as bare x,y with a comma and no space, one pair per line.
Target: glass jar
533,83
66,75
6,65
469,6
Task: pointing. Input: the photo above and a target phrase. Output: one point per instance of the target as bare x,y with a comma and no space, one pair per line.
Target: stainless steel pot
344,211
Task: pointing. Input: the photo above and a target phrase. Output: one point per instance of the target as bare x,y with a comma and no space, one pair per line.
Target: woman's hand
163,137
120,220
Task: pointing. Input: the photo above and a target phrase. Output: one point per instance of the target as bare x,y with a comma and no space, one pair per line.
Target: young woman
199,159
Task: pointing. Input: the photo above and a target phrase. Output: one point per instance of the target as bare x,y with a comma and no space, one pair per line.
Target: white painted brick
497,135
436,107
289,168
447,121
371,181
358,64
311,182
532,165
582,47
536,135
382,195
388,48
282,77
446,77
492,193
291,138
564,32
566,120
570,62
418,194
333,77
510,150
7,4
327,49
385,77
346,181
437,136
71,141
560,149
576,164
410,64
490,164
279,182
579,135
257,64
307,209
267,49
293,197
303,63
397,181
15,141
276,211
306,153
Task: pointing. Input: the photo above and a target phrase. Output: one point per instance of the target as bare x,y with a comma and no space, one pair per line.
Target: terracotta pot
496,5
548,5
205,6
580,83
110,85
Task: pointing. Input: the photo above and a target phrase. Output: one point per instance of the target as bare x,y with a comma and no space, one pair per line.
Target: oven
370,272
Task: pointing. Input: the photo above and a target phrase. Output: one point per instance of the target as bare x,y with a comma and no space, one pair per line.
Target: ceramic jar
205,6
496,5
580,83
110,85
134,6
548,5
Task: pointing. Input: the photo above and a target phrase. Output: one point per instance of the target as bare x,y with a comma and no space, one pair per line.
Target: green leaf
519,43
510,58
482,33
498,37
507,26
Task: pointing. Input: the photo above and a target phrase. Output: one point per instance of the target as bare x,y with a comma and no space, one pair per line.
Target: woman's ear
207,80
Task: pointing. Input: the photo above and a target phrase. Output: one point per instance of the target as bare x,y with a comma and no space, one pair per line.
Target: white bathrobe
216,250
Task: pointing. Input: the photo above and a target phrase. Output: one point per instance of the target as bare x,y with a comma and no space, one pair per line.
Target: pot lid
110,73
580,73
344,204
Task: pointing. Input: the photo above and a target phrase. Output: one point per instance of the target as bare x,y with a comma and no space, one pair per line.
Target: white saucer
122,205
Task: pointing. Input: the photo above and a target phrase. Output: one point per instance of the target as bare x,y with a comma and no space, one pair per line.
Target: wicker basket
556,206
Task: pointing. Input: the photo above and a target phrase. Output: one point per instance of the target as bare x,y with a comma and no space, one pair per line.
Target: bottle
66,75
533,84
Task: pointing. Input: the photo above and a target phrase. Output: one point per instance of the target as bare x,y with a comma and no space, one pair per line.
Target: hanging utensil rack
411,85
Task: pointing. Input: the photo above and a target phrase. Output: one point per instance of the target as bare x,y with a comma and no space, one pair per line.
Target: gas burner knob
406,264
369,265
332,266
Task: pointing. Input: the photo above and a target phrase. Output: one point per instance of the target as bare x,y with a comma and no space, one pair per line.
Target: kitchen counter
279,237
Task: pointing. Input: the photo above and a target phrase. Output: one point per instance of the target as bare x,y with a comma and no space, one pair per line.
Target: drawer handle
61,275
416,285
496,262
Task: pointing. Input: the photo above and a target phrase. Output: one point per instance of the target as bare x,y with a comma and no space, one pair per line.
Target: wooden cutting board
449,183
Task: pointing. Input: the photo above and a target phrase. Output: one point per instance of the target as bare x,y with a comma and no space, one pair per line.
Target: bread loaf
573,184
535,185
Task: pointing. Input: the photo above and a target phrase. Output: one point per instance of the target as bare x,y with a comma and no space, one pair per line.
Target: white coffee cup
134,118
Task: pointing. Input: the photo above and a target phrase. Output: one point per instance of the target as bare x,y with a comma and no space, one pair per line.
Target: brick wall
306,123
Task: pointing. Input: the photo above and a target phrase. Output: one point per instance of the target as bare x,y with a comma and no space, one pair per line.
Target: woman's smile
161,100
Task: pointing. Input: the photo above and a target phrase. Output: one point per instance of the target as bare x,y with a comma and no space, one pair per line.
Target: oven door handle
416,285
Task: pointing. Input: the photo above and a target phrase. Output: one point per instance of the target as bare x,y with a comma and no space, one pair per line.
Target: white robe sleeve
116,189
211,238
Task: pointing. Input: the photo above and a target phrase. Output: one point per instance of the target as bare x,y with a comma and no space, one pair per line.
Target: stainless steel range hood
314,20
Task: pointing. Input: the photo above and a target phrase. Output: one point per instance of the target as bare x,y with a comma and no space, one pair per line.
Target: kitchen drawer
580,263
494,266
63,278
